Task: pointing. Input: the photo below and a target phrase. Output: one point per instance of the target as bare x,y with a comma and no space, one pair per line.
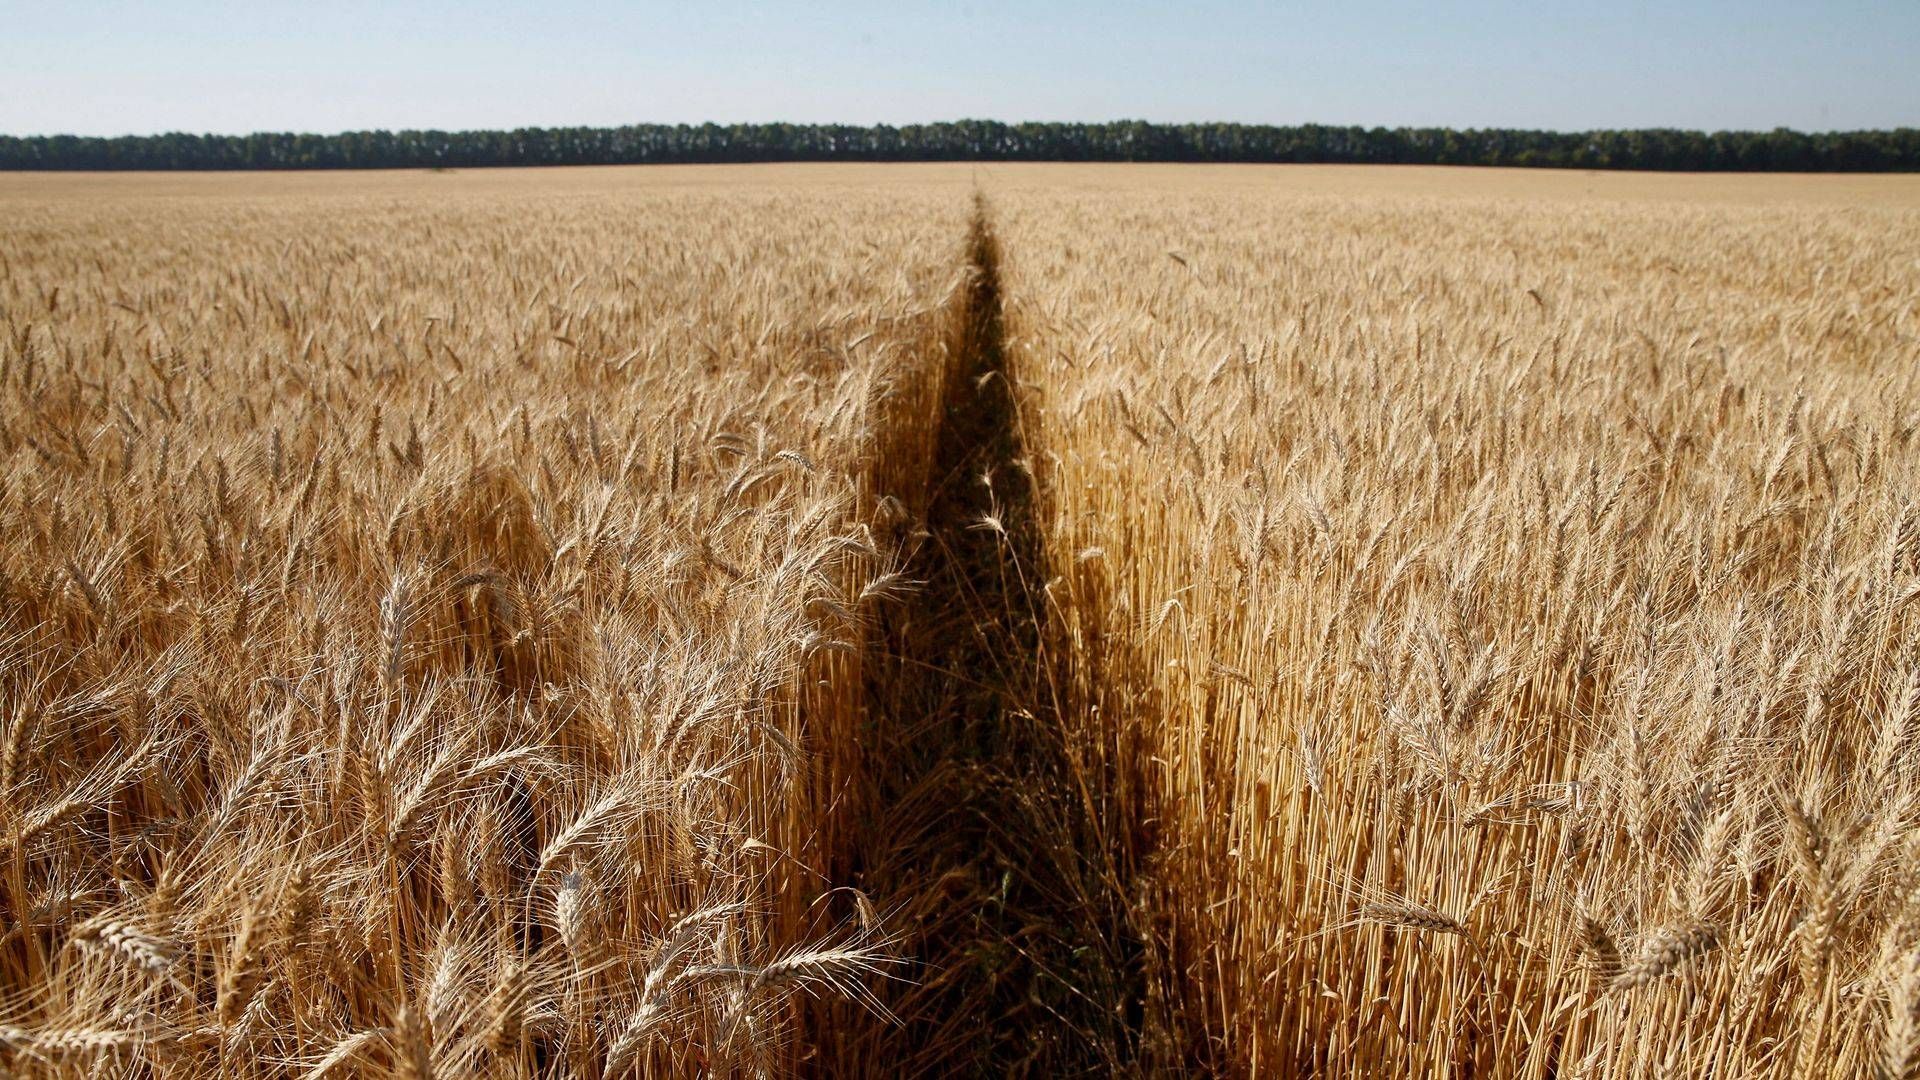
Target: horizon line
334,133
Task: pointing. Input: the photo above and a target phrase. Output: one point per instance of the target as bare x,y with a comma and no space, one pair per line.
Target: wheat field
960,620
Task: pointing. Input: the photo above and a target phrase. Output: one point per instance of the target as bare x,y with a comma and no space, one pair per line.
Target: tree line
1780,150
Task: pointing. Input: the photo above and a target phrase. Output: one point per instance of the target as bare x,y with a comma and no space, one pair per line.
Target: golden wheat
419,598
754,621
1467,539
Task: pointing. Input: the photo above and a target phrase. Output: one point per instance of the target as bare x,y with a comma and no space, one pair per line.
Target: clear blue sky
212,65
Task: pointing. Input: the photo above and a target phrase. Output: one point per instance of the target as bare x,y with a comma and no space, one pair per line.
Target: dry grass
656,622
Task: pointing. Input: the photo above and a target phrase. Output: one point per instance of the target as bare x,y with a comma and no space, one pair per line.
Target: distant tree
980,140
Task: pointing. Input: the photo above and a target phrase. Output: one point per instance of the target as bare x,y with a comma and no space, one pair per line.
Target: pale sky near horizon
99,68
